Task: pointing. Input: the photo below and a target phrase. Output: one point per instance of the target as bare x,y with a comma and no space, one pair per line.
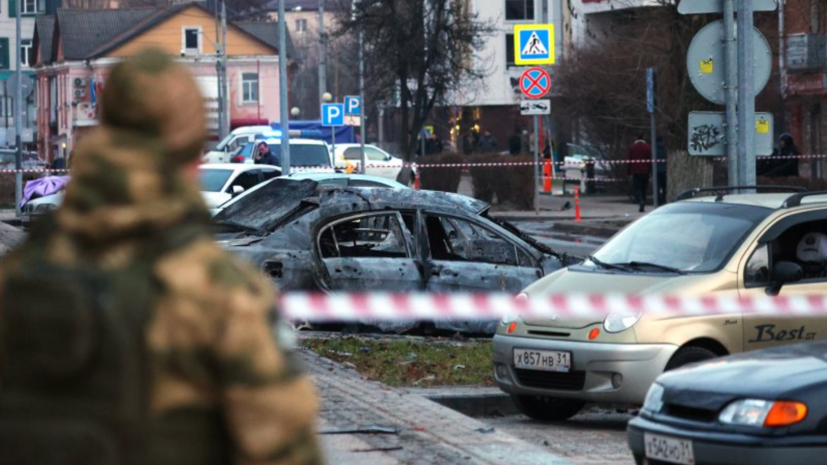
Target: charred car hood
781,373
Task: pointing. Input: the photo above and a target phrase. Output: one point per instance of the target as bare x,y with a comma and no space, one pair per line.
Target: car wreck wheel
543,408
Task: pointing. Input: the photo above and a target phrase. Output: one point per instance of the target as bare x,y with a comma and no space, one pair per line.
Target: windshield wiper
607,266
638,265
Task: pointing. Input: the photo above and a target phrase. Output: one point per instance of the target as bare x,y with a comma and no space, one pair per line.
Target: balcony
603,6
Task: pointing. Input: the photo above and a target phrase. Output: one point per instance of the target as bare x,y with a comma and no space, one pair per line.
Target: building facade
76,49
805,78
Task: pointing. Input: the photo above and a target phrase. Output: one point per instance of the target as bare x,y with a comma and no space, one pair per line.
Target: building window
519,10
301,25
25,52
192,39
5,61
249,88
509,50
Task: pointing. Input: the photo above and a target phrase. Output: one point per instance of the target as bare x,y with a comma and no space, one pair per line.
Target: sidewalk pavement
416,430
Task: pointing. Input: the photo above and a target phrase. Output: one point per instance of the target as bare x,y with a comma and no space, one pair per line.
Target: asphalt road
596,436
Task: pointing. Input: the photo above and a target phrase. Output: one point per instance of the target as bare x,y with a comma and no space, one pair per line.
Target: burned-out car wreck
342,239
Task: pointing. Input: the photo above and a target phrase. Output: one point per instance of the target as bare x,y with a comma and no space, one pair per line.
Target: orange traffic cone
576,204
547,178
416,180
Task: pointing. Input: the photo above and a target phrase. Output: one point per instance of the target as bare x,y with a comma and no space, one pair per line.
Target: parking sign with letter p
353,106
333,114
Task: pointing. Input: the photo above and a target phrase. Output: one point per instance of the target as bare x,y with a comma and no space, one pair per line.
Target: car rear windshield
305,154
212,180
691,236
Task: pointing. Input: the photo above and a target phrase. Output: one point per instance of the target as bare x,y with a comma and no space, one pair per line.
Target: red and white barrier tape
421,306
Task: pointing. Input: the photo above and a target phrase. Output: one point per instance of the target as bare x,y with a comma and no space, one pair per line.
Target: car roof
772,201
235,166
250,130
293,141
317,175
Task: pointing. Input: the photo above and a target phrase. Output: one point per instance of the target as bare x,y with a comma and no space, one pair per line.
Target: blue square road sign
353,105
534,44
333,114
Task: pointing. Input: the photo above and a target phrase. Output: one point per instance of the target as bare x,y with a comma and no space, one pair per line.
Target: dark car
764,407
326,238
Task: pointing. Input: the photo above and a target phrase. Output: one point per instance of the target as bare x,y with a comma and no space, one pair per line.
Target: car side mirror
237,190
784,273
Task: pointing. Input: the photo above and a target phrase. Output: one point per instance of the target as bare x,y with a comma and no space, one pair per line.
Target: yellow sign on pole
707,66
534,44
762,126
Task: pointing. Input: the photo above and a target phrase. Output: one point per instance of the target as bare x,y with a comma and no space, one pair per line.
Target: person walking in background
488,143
786,167
154,345
434,145
515,143
660,169
639,168
469,144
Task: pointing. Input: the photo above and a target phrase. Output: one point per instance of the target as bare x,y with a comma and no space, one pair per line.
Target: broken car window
455,239
364,236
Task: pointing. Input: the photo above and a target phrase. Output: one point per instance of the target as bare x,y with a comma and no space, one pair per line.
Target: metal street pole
220,96
537,165
225,101
730,63
18,114
651,89
362,106
746,95
322,55
283,103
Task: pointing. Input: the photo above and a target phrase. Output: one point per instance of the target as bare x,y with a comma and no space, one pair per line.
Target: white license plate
669,449
543,360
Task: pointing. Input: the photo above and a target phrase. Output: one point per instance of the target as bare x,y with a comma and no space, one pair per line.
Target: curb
486,405
587,230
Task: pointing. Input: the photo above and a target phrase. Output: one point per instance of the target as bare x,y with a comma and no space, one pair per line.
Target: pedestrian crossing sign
534,44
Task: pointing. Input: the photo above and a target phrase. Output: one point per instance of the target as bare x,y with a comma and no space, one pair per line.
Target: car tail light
785,413
238,159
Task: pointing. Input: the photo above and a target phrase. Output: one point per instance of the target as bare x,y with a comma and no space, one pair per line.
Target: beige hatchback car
727,244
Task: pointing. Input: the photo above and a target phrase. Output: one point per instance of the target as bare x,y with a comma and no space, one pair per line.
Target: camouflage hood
128,174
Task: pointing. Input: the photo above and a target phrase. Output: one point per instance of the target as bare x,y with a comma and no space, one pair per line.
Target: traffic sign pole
537,165
746,96
730,55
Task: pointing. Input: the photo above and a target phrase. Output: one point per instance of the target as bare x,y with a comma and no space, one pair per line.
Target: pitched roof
44,27
82,31
266,32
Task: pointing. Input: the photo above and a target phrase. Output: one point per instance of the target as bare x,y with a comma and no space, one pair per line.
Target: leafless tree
417,53
602,86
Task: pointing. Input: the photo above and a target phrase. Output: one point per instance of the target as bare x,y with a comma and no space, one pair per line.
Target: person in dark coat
515,143
639,154
660,169
433,146
265,156
488,143
785,167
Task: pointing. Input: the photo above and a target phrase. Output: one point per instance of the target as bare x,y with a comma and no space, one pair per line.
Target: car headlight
45,207
654,399
620,321
763,413
510,317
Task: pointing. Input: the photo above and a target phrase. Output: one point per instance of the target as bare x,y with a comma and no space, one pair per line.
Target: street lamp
327,97
295,111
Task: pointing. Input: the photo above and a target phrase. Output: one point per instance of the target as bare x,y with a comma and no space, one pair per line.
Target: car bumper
717,448
594,365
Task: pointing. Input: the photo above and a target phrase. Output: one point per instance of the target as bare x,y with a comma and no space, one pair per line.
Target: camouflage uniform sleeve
227,310
270,406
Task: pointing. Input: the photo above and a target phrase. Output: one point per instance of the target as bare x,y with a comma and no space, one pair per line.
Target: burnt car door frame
378,269
435,268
